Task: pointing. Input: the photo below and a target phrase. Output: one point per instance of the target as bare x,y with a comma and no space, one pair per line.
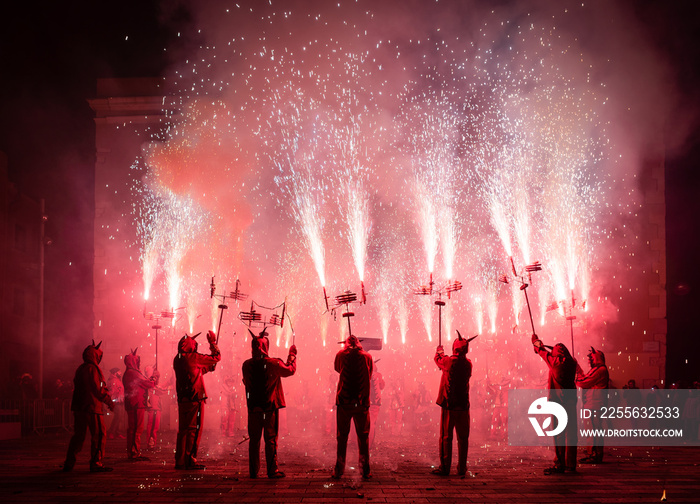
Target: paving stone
30,471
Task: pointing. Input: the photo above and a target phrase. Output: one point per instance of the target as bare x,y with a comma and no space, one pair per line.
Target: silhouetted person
116,390
228,409
89,394
396,407
377,384
562,390
262,377
592,382
355,367
190,367
136,387
154,409
453,399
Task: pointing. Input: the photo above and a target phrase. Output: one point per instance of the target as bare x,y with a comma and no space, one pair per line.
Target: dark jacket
90,391
562,375
136,385
262,377
454,382
190,367
355,367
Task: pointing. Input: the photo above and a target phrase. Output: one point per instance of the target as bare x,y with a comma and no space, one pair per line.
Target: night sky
51,54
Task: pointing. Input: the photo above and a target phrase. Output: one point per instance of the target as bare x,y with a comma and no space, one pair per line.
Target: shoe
67,467
195,467
439,472
570,469
179,467
336,475
100,469
276,475
554,470
367,476
253,476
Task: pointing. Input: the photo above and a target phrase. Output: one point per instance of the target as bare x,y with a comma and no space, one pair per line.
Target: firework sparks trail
359,225
478,306
147,217
301,162
182,224
425,306
515,149
402,316
308,215
149,264
427,220
354,180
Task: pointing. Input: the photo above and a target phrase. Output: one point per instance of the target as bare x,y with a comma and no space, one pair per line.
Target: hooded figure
592,383
116,390
376,385
136,387
355,367
562,389
153,408
190,367
262,377
453,399
89,393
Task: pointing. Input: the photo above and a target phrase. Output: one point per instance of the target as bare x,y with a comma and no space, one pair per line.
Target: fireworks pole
523,288
236,295
157,318
157,327
430,289
571,319
325,298
345,299
529,269
439,303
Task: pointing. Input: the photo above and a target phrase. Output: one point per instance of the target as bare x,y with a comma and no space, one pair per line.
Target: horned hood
132,361
260,346
92,354
187,345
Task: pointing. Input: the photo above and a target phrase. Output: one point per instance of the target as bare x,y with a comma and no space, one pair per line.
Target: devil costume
89,394
136,387
376,385
262,377
562,390
453,399
355,367
190,368
116,390
596,379
154,409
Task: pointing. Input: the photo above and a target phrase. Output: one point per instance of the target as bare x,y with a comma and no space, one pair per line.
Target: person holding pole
262,377
190,367
136,387
355,367
562,390
453,399
89,394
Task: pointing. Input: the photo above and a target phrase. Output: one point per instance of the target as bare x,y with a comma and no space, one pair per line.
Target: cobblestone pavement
30,471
